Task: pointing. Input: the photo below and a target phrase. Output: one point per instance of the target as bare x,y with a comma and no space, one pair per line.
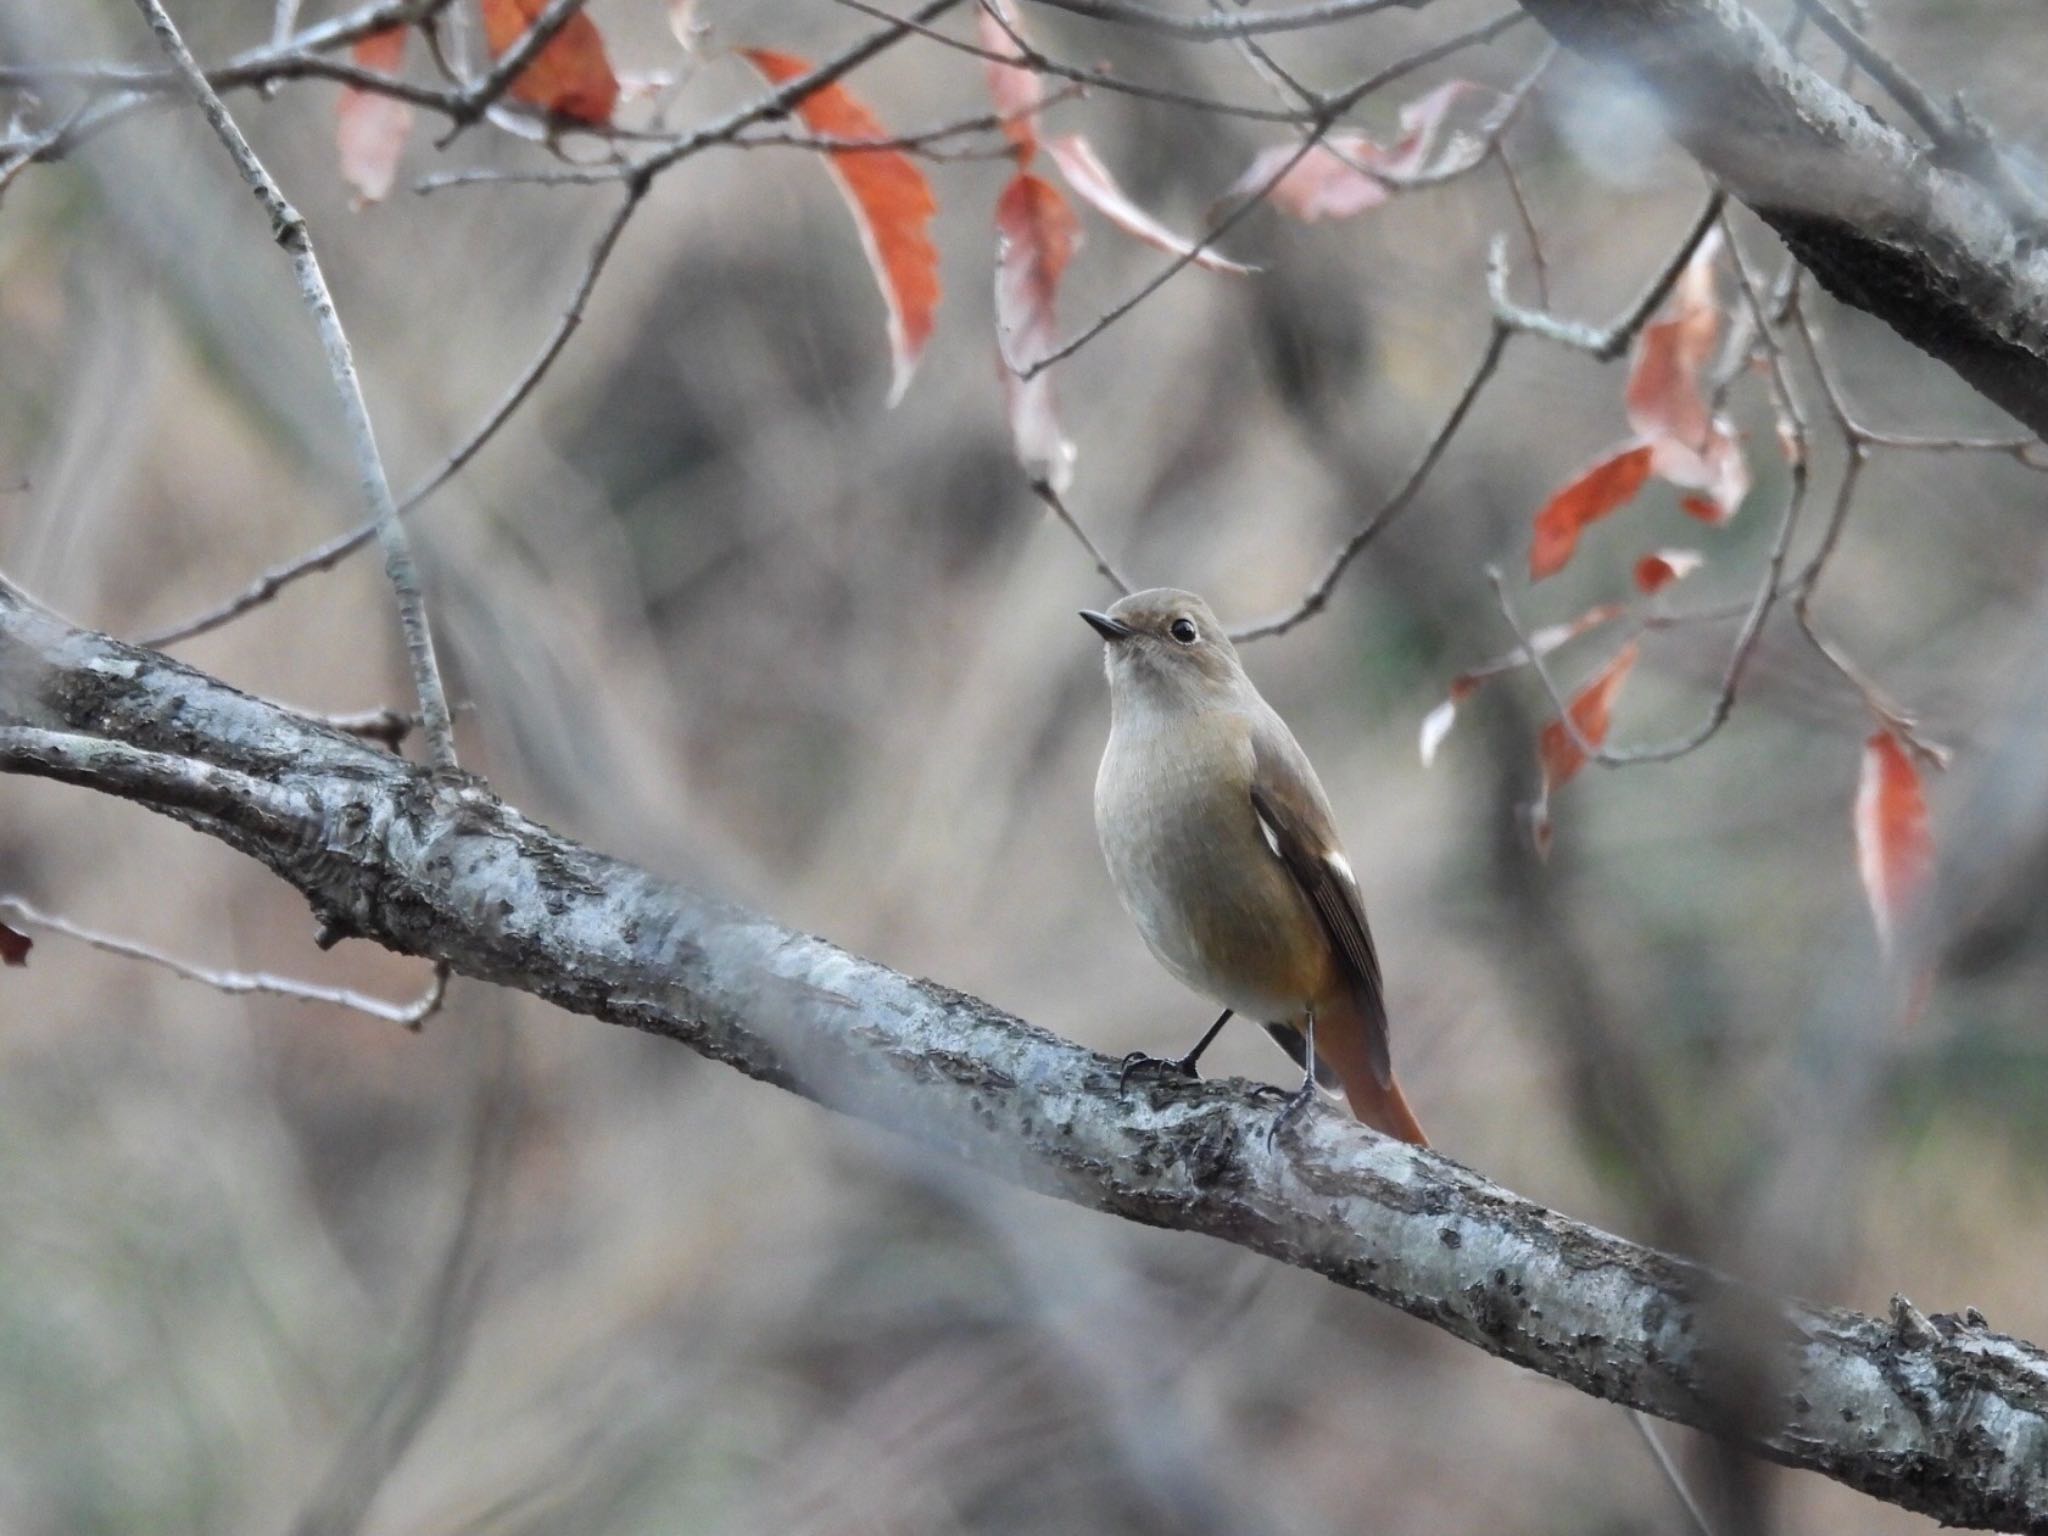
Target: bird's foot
1138,1061
1291,1109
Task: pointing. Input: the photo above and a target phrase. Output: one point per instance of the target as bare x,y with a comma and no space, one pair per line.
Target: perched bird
1222,848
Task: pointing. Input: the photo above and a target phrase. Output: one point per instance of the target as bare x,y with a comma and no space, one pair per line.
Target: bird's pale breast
1174,812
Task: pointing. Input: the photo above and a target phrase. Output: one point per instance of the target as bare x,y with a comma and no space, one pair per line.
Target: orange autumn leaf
1655,572
1082,169
1894,849
1591,707
14,947
371,128
1036,233
1612,482
1664,394
891,202
570,77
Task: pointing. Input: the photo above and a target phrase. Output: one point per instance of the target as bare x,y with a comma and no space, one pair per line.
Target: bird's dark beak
1110,629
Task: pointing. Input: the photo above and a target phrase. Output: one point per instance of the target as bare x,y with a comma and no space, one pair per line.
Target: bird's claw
1138,1061
1297,1102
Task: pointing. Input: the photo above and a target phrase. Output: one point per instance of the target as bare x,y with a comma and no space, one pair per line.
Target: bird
1222,848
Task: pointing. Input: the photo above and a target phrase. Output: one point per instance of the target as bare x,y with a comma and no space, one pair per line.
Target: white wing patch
1339,863
1266,828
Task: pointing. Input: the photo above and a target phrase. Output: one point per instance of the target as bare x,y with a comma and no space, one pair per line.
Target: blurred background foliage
707,603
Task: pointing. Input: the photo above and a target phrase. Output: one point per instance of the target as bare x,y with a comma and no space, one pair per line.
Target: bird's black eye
1184,631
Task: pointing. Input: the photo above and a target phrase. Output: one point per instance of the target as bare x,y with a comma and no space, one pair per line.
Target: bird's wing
1296,819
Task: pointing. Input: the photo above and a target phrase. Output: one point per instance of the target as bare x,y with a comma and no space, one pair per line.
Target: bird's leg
1184,1067
1303,1096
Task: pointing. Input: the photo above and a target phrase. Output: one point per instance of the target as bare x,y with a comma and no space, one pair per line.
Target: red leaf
1657,571
570,77
1894,850
1612,482
14,947
1090,179
1561,755
1036,233
1664,397
1349,173
891,202
1017,92
371,128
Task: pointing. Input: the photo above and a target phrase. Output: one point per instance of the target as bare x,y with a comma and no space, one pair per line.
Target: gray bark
1950,260
1942,1416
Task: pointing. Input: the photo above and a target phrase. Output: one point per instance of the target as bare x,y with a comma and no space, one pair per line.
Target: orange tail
1384,1109
1342,1041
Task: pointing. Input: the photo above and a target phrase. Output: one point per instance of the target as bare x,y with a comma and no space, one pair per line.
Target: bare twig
1032,58
1609,342
331,553
290,231
242,983
1043,490
1318,594
1222,28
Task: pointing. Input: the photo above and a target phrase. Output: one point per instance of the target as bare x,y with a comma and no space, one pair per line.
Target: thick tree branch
1938,255
1941,1415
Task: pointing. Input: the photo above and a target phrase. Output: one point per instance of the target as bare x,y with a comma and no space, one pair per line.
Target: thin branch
1527,219
1609,343
1044,491
1318,595
1959,139
1039,62
161,781
290,231
1209,29
331,553
243,983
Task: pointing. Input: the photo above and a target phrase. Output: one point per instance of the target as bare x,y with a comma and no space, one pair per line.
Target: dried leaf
14,947
1721,470
1894,849
1349,173
570,77
1422,123
1089,177
1331,181
1562,756
1655,572
1611,482
371,128
892,206
1664,397
1036,233
1017,92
